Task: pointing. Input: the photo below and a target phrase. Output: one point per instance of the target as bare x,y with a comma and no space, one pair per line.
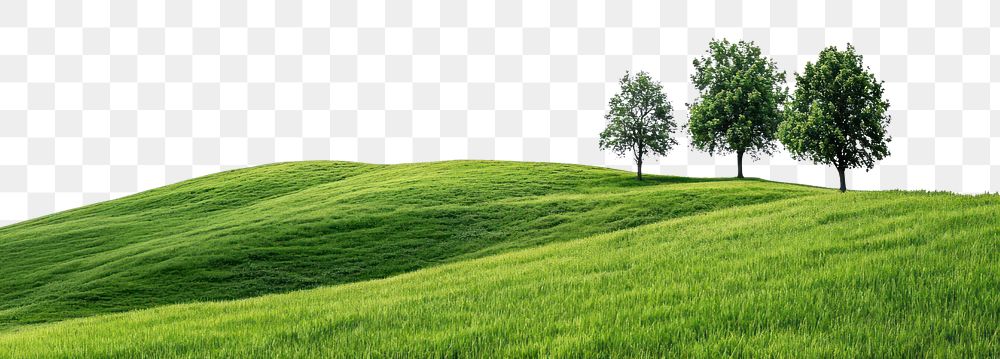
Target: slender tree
838,115
640,120
741,94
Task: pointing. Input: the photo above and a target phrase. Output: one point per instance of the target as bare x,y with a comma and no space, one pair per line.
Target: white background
100,99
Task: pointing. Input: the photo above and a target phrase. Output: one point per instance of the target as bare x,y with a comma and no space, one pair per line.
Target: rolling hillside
846,275
290,226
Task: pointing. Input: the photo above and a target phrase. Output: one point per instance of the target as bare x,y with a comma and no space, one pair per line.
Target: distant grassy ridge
291,226
878,274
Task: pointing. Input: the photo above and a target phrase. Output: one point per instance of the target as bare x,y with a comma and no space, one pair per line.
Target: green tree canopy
741,94
838,115
640,120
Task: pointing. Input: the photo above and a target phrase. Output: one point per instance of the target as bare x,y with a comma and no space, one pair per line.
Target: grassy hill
292,226
698,268
858,274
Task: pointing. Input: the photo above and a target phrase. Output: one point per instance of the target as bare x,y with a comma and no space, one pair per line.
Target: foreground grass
292,226
859,274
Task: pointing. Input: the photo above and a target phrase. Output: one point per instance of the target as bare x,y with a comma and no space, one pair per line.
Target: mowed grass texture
291,226
882,274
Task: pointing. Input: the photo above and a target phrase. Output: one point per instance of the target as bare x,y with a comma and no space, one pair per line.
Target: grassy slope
291,226
858,274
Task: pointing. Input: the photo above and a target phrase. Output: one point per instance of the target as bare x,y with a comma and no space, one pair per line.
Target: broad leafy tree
640,120
838,115
741,94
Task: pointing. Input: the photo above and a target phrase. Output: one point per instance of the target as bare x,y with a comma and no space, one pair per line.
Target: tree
838,115
741,94
640,120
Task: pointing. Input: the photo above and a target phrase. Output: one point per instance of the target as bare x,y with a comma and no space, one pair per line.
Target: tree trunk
739,164
638,165
843,181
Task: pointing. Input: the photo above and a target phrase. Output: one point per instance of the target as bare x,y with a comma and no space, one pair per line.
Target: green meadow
498,259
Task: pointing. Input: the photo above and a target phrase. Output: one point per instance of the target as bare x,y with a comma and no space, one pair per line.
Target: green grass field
479,258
